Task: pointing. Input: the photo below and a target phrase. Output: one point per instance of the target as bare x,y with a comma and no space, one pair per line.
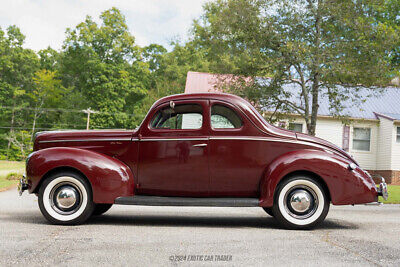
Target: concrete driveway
133,235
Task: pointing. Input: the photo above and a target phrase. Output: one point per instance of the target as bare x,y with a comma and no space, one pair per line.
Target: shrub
14,176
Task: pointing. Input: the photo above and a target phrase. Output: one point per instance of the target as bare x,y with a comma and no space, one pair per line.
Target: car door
235,169
173,150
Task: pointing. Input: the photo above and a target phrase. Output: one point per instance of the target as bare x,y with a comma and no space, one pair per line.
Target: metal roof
384,101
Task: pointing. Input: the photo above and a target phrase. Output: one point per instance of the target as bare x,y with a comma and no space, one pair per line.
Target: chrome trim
172,139
22,185
267,139
88,140
383,190
244,138
200,145
352,166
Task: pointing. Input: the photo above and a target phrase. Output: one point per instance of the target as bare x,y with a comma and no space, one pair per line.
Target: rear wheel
66,198
101,208
300,203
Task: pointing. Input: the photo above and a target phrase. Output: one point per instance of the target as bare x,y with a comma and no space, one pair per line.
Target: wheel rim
65,198
301,215
301,202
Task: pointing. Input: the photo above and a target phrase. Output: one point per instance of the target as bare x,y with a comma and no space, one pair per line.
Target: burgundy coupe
195,150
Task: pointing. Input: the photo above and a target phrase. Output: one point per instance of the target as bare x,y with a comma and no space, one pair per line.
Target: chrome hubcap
300,201
66,197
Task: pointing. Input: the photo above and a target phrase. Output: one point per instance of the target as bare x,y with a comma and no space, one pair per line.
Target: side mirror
172,104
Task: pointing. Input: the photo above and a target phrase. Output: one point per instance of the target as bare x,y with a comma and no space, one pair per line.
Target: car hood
322,142
82,135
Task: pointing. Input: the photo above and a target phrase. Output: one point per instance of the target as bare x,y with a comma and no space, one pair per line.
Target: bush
14,176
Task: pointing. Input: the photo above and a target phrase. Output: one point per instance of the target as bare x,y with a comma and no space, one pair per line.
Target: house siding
385,140
330,130
366,159
395,150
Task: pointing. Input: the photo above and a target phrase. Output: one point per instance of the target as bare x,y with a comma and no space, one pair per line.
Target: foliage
103,65
314,44
13,176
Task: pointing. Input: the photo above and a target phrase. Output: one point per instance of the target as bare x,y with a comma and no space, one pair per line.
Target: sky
150,21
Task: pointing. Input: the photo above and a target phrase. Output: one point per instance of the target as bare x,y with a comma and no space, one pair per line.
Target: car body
199,150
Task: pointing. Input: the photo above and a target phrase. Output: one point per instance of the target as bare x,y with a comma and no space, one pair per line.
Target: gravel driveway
134,235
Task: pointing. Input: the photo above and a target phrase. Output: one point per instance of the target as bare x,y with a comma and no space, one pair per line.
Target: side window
223,117
181,117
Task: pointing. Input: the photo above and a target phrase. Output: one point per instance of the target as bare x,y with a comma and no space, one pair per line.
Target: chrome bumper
22,185
382,189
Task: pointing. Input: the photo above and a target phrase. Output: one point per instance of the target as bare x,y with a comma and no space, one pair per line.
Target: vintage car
195,150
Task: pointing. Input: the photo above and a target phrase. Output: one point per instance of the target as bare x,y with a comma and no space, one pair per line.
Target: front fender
345,186
109,177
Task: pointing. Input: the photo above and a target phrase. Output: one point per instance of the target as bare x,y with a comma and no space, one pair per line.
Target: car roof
217,96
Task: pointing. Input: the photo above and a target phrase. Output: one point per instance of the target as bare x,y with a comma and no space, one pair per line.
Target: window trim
370,139
160,130
230,107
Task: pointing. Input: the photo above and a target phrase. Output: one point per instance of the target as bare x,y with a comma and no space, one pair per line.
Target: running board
188,201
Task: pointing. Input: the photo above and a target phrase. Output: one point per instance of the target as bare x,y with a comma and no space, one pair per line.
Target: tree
387,13
103,65
47,92
169,70
315,44
17,67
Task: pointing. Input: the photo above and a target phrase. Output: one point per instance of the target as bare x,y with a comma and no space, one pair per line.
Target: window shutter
346,137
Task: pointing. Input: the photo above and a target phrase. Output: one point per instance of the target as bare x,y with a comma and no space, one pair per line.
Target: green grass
7,167
394,195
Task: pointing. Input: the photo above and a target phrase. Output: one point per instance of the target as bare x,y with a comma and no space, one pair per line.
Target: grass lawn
7,167
394,195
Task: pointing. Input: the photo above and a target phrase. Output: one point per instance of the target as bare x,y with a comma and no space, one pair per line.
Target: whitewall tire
66,198
300,203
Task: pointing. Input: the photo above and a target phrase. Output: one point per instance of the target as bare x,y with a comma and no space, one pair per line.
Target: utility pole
88,112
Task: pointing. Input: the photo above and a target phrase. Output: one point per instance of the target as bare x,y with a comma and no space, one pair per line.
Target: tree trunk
315,72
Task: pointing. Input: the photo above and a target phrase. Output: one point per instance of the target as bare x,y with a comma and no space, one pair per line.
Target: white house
371,132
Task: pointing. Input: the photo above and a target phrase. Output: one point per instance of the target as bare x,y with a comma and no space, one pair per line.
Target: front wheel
66,198
300,203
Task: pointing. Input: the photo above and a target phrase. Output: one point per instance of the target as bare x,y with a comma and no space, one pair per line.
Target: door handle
200,145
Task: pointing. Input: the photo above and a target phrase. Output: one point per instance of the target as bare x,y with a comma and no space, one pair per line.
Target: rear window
223,117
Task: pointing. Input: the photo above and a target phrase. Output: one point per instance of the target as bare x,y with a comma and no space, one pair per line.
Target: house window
362,139
398,135
297,127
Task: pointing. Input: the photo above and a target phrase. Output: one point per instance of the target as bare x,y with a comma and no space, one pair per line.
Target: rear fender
344,186
109,177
